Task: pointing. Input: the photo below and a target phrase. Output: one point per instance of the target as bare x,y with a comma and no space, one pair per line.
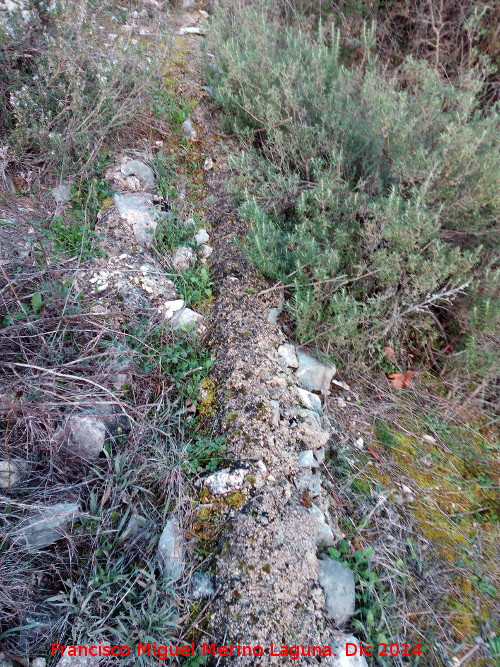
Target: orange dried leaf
374,453
401,380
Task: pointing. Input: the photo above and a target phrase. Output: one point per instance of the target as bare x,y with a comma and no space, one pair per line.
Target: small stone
144,173
39,662
276,412
171,550
225,481
340,658
206,250
272,318
62,193
306,459
191,31
405,489
309,428
170,307
359,443
287,352
44,527
201,237
187,126
341,403
11,6
184,258
312,374
187,4
185,318
325,536
309,400
203,13
10,474
202,586
337,582
307,482
208,164
320,455
428,438
80,661
83,436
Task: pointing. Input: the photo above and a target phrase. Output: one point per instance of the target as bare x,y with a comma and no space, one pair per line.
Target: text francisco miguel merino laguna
161,652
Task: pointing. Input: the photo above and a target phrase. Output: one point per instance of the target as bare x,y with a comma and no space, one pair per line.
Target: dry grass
423,493
59,358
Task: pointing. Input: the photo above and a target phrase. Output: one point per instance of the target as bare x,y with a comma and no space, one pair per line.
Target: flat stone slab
312,374
44,527
141,171
309,400
171,550
137,210
185,318
340,647
337,582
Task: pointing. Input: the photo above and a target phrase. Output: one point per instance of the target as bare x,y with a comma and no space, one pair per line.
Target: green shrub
374,196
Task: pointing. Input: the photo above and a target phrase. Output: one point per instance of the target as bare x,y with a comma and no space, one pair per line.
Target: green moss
207,407
230,417
235,500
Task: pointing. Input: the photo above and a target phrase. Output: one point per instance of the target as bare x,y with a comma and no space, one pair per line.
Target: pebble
202,585
138,211
170,307
188,129
184,258
82,436
10,474
208,164
306,459
339,651
206,250
62,193
38,662
201,237
191,31
142,171
325,536
275,412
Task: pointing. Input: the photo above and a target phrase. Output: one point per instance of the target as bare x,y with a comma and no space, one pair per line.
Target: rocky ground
273,517
263,521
